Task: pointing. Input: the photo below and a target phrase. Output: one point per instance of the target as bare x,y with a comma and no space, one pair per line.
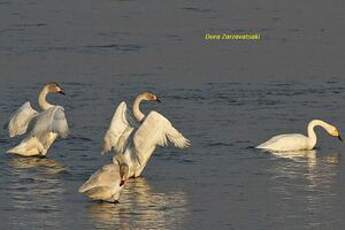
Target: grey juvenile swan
106,183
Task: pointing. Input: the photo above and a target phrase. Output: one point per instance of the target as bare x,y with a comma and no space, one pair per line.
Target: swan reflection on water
308,179
36,187
141,208
50,166
311,157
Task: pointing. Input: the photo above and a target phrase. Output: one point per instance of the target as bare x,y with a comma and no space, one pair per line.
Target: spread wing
51,120
157,130
20,119
120,128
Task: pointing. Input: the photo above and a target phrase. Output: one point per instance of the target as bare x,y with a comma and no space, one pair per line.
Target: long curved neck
136,108
311,132
42,99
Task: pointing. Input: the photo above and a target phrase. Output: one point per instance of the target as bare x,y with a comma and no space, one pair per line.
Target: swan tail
83,188
260,146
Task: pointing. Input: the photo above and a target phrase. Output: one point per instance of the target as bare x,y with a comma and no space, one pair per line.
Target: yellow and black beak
340,139
62,91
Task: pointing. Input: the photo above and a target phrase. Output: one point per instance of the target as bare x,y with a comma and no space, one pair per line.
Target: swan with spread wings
43,128
135,137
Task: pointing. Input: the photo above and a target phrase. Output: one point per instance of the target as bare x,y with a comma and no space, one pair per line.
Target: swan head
333,131
54,87
124,173
330,129
149,96
123,168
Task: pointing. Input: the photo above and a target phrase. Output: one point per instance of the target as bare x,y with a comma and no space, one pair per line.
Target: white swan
297,142
135,141
43,127
106,183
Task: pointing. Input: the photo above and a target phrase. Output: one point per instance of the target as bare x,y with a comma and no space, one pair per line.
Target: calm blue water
226,96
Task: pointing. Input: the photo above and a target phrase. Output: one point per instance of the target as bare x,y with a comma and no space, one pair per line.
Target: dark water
226,96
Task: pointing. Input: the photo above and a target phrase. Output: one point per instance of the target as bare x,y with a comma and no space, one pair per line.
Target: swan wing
99,192
157,130
104,177
271,141
121,126
20,119
285,141
51,120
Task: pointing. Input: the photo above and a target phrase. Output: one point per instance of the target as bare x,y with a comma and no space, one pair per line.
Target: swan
43,128
106,183
298,142
148,203
135,139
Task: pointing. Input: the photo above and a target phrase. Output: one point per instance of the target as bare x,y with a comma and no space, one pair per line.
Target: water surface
226,96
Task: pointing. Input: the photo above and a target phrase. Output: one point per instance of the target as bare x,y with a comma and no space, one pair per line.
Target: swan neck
139,116
311,132
42,99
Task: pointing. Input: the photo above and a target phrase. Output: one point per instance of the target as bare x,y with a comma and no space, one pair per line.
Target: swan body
136,142
299,142
106,183
43,128
155,131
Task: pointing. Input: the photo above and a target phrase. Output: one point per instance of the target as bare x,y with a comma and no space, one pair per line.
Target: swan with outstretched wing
133,142
42,128
123,123
153,130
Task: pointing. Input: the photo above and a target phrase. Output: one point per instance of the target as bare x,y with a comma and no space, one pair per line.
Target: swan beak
340,139
62,92
158,100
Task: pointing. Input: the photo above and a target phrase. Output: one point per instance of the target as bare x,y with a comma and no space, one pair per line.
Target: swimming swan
135,139
43,127
296,142
106,183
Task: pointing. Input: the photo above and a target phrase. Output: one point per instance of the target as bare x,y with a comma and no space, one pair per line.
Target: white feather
121,126
155,131
104,184
286,142
20,119
52,120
